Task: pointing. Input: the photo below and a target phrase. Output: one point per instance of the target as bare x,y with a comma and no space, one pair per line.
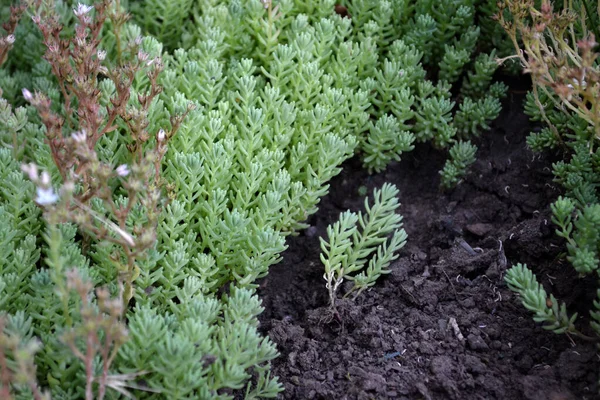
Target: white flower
142,56
101,55
67,187
10,39
79,137
27,94
576,82
161,135
122,170
31,170
82,9
138,40
45,178
46,196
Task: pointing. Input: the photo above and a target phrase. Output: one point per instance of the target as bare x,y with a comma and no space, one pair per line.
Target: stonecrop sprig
367,242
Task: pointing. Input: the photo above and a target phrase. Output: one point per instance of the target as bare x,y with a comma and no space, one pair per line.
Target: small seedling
356,239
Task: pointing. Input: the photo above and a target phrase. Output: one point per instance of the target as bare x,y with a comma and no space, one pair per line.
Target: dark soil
443,324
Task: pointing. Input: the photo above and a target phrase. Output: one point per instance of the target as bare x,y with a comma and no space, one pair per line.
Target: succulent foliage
360,246
155,156
564,102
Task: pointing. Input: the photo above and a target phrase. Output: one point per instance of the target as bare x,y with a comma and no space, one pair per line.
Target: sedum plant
462,154
546,309
105,205
370,61
358,247
557,48
149,181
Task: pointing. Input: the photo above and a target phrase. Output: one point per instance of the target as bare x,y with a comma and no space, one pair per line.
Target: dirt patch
443,324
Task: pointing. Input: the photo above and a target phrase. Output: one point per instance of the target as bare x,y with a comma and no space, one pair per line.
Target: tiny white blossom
576,82
67,187
123,170
138,40
36,19
142,56
82,9
45,196
101,55
10,39
31,170
161,135
27,94
79,137
45,178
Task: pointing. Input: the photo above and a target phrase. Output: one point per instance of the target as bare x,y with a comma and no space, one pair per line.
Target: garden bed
149,184
443,324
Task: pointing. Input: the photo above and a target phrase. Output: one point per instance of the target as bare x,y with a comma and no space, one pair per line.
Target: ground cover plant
560,54
159,157
356,239
398,72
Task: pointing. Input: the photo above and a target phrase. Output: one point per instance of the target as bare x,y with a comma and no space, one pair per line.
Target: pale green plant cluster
148,182
194,330
371,63
361,246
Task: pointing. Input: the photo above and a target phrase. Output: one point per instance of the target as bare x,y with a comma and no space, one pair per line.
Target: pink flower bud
142,56
68,187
